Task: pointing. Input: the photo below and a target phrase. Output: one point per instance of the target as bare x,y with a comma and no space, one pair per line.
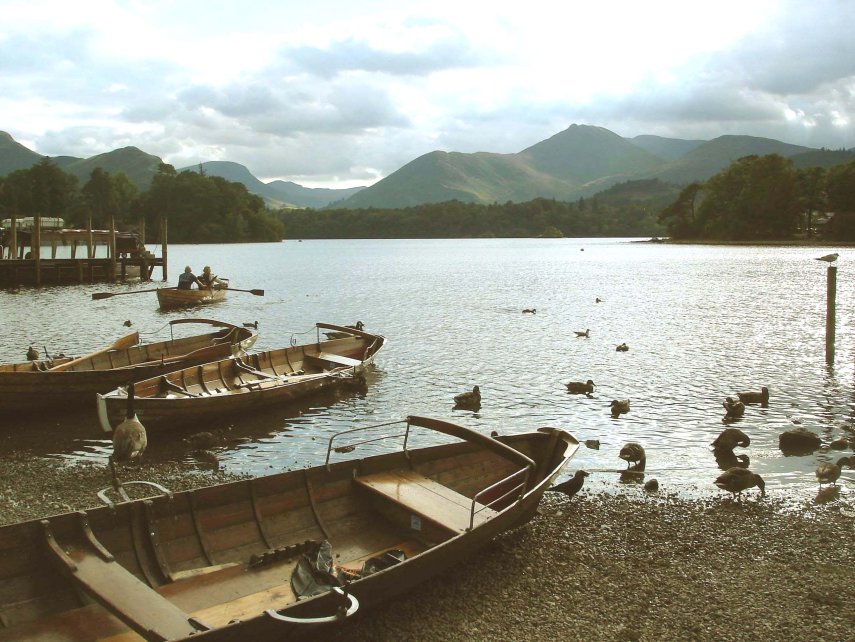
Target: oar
256,292
97,296
119,344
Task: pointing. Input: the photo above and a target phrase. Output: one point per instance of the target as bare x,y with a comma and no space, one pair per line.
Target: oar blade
97,296
257,292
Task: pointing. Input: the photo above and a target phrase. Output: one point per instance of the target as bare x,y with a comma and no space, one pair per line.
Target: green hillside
139,166
14,156
668,148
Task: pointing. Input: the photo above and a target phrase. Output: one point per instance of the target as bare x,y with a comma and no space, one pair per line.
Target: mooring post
36,247
830,313
164,247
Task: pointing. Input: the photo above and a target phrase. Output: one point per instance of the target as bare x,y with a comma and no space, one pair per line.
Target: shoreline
604,566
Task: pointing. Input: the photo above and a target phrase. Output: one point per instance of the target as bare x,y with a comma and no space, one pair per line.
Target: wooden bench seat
335,359
426,498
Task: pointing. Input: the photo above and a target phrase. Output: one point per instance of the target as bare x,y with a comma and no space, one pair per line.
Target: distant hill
276,193
668,148
14,156
559,167
140,167
823,158
713,156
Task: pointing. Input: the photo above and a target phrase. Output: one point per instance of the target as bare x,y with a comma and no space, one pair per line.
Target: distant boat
174,298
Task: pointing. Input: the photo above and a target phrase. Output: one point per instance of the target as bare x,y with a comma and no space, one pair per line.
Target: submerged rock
798,441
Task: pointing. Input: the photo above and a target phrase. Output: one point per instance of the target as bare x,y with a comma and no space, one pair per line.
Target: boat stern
103,415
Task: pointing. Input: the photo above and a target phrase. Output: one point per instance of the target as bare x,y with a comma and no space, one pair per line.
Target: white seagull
828,258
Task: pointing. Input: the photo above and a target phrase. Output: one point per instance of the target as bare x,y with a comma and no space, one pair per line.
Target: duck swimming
735,480
580,333
634,456
580,387
530,311
761,397
622,348
468,400
730,438
828,473
619,407
733,408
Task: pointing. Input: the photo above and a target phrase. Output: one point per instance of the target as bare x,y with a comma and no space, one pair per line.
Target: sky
342,93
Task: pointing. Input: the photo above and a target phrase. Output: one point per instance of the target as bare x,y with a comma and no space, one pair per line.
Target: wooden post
142,229
163,246
89,242
112,248
830,313
36,246
13,243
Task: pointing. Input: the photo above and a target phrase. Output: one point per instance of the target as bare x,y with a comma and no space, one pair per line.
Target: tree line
761,198
456,219
200,208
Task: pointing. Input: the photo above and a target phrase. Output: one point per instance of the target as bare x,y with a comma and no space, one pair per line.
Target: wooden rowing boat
43,385
238,384
229,562
174,298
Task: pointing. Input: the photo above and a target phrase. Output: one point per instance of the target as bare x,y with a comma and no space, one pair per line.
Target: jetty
42,251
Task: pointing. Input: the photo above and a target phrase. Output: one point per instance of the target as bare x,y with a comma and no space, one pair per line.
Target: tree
811,186
99,197
679,217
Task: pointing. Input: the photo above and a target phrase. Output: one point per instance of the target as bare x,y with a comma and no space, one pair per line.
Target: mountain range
578,162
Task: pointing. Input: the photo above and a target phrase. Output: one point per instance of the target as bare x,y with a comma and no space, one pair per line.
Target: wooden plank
426,498
337,359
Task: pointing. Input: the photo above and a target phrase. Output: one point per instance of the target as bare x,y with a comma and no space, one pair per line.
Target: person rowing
187,279
208,280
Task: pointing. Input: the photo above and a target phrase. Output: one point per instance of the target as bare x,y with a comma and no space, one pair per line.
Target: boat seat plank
337,359
426,498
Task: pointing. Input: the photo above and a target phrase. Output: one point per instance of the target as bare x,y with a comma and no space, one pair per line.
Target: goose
129,437
761,397
622,348
572,485
734,408
735,480
469,400
581,333
356,326
828,473
730,438
619,407
634,456
577,387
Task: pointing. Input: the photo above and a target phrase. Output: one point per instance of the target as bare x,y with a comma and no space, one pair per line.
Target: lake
701,322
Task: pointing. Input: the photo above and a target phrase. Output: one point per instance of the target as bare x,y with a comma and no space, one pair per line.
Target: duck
734,408
622,348
356,326
730,438
33,353
736,479
579,387
828,473
129,437
469,400
599,300
726,459
634,456
530,311
572,485
581,333
761,397
253,325
619,407
128,323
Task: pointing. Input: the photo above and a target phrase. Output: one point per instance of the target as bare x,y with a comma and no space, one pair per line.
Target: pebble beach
600,566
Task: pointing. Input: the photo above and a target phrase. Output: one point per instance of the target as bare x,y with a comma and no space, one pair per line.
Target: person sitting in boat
207,279
187,279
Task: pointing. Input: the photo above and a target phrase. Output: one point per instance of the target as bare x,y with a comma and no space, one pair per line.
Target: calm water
702,322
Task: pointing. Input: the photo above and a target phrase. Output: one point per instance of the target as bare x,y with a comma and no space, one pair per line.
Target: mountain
668,148
14,156
275,193
140,167
560,167
713,156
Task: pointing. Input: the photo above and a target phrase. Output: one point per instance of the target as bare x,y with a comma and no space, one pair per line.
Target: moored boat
57,384
274,558
237,384
175,298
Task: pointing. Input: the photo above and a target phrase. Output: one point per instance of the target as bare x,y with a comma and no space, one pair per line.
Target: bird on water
733,408
468,400
580,387
730,438
735,480
581,333
572,485
761,397
619,407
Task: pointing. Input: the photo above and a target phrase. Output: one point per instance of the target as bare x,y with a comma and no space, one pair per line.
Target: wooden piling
830,314
36,247
164,244
13,243
113,249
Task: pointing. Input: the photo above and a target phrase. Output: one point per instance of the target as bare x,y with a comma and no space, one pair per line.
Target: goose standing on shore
129,437
829,473
735,480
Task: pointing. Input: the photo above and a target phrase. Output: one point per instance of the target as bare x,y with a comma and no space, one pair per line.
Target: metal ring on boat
352,607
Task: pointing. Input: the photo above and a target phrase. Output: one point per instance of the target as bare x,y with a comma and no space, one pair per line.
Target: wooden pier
24,255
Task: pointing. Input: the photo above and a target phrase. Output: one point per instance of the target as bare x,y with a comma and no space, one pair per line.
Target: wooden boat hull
174,298
231,385
215,564
34,386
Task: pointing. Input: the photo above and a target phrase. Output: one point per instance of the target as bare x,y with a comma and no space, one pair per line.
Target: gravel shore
602,566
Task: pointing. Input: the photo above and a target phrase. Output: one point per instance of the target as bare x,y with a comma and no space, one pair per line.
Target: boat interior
175,564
